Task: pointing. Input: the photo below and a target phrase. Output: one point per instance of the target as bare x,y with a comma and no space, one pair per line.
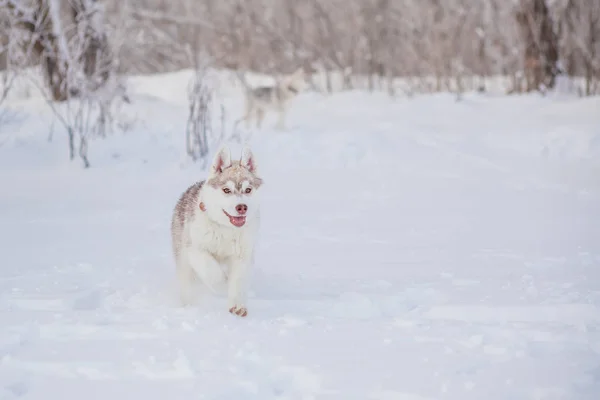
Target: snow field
410,249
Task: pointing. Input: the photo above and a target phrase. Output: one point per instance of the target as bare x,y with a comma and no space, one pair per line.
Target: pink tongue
237,221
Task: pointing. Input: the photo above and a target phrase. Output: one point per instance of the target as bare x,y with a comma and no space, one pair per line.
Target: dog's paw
239,311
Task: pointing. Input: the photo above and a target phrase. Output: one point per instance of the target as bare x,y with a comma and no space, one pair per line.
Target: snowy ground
411,249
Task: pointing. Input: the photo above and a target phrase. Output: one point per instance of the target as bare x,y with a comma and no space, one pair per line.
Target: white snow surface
410,249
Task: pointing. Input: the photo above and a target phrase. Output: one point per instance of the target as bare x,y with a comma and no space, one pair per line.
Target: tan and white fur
214,229
275,98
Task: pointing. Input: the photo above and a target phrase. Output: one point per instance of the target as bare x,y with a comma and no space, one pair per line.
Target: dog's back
263,92
183,213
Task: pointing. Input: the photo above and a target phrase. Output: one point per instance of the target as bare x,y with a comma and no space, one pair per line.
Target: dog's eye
226,190
248,190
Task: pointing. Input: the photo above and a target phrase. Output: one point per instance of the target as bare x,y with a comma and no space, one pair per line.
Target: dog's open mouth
236,221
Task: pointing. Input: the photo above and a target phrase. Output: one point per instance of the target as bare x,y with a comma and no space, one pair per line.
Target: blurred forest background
435,44
80,49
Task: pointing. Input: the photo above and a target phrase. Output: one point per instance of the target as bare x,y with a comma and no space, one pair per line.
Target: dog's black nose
241,209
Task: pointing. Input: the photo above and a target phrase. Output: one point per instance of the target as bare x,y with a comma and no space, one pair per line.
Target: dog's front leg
280,126
238,287
206,268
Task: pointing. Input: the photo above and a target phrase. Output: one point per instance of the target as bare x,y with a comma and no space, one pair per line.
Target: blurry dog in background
275,98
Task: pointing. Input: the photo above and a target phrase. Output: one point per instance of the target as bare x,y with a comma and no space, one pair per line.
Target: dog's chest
223,243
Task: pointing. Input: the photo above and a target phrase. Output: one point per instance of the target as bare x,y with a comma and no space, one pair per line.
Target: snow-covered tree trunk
69,39
540,44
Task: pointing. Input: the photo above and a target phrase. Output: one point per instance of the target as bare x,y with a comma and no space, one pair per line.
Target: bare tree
540,44
54,29
200,135
199,124
579,27
69,41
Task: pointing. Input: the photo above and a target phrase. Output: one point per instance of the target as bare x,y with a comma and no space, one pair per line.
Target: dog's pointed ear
248,160
221,161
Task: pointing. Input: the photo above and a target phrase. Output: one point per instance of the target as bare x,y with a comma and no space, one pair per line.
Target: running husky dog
214,227
275,98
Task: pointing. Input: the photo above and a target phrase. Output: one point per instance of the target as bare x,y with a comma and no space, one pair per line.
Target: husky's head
231,194
295,82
